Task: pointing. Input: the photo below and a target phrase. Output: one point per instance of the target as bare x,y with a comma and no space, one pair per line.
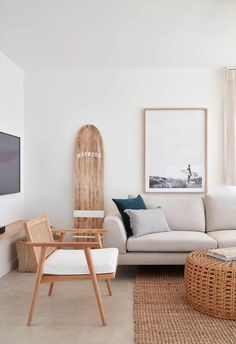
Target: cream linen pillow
147,221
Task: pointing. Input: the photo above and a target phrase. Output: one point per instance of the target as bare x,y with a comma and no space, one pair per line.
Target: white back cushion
220,212
183,213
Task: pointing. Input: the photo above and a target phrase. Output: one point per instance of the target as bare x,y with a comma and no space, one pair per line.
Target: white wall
58,103
12,122
102,63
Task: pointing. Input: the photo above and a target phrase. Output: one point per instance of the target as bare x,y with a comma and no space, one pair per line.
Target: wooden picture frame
175,150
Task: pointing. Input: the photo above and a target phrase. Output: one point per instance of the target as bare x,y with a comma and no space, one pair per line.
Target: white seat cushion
173,241
226,238
73,262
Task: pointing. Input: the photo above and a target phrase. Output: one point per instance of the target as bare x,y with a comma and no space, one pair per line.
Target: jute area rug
163,316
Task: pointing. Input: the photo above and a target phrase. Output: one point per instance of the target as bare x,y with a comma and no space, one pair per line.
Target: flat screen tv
9,164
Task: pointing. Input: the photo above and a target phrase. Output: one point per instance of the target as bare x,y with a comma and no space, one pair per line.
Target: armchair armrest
79,231
88,233
60,244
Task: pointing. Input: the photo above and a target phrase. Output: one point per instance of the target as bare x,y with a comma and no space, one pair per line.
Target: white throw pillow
147,221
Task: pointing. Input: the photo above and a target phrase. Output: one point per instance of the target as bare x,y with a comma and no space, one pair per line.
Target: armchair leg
37,283
95,284
50,289
108,283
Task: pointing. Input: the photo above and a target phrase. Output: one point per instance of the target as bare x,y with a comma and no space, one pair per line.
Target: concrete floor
70,315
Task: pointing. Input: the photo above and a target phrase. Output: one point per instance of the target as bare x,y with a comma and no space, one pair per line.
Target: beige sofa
195,223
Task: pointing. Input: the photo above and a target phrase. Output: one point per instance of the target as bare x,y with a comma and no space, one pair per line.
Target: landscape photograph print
175,150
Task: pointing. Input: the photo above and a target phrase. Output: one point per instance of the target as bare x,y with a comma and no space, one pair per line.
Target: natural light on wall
230,126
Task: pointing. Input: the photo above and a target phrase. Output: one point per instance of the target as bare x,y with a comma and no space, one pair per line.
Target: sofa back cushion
183,213
220,212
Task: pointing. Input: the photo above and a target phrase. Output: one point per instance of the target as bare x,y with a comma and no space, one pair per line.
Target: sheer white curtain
230,127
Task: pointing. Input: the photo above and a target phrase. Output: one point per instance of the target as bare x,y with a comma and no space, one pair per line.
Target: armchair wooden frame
40,239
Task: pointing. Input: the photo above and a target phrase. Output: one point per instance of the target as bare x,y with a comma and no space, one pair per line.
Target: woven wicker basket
24,254
25,260
210,285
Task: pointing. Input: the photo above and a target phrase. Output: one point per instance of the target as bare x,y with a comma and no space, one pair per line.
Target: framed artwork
176,150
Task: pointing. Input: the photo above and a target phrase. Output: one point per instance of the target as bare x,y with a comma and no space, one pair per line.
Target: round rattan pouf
210,285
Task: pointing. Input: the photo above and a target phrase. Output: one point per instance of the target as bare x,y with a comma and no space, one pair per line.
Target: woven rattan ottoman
210,285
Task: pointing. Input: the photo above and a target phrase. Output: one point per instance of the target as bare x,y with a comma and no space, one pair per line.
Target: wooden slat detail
64,278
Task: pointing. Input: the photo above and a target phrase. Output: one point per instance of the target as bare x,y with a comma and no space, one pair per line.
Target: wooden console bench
13,229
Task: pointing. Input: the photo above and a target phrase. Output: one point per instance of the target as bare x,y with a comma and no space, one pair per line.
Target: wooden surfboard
88,178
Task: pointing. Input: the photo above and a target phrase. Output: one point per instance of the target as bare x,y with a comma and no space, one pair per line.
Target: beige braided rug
163,316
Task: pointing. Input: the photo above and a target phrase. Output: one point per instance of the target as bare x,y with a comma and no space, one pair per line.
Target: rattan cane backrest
38,230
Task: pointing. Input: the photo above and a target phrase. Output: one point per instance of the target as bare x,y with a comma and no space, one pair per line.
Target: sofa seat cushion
226,238
173,241
73,262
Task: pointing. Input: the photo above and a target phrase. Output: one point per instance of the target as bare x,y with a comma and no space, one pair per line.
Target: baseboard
153,258
4,269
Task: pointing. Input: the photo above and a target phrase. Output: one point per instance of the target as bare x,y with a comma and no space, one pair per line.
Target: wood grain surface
89,176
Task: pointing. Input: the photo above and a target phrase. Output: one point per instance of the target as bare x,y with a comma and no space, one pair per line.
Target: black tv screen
9,164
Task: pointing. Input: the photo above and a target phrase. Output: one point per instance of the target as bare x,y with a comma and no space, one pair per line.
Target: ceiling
127,34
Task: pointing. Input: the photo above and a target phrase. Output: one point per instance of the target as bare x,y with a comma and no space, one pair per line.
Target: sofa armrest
116,235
